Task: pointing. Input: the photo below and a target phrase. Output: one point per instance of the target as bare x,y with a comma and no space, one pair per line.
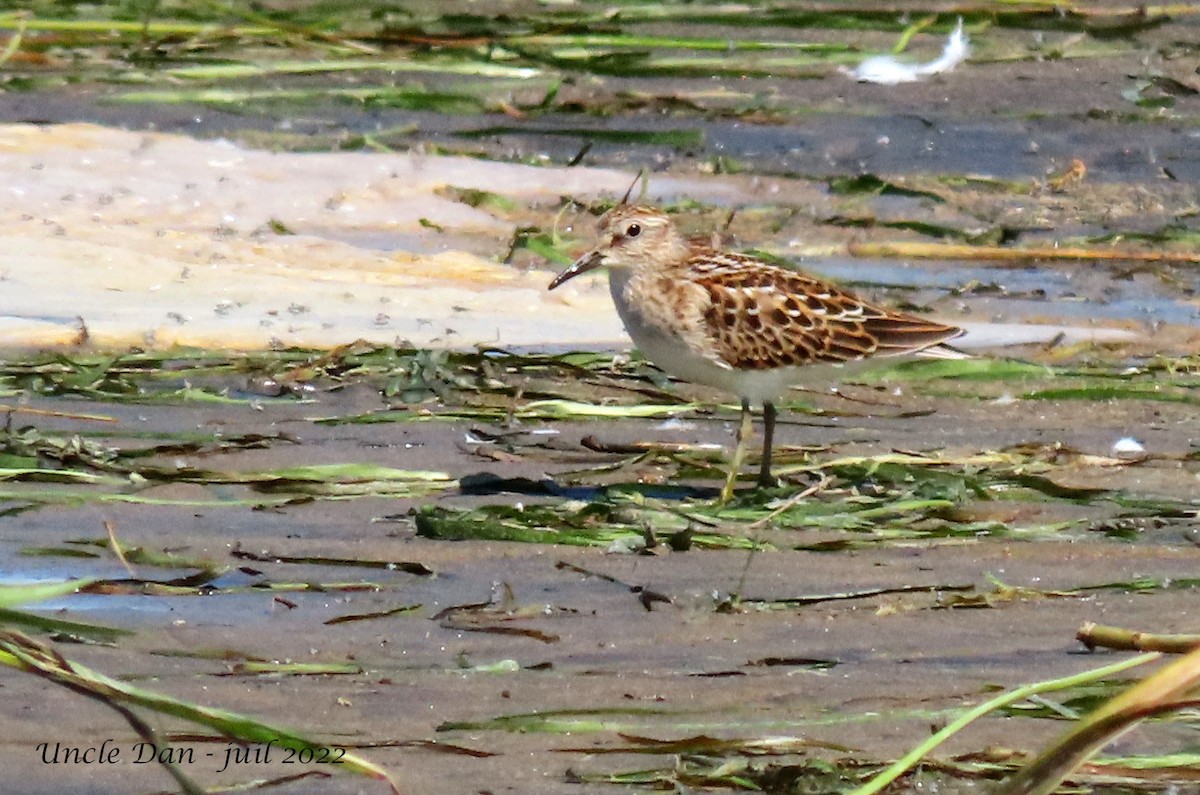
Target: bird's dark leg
765,481
739,452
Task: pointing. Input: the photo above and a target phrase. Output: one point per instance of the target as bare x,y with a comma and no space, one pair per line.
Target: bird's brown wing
760,316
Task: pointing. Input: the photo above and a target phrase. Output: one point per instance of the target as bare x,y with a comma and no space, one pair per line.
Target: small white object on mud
1128,447
886,70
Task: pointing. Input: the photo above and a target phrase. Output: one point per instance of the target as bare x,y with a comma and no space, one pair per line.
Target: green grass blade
13,595
913,757
58,626
20,652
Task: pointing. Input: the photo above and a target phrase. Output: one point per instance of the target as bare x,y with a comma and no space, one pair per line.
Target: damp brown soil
533,667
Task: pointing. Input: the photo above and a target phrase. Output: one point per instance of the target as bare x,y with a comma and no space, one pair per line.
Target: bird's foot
767,482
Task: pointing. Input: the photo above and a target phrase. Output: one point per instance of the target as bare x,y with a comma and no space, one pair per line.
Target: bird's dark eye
633,231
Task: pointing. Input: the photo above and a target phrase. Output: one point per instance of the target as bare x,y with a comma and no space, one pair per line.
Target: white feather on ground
887,70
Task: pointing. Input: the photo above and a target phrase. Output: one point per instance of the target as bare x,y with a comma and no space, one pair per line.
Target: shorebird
738,323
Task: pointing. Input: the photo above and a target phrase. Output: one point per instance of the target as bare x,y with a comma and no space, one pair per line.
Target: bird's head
631,237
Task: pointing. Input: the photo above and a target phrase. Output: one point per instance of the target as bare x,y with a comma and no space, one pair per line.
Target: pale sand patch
157,240
135,239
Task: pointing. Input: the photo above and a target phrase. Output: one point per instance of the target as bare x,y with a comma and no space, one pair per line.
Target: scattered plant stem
904,249
1095,635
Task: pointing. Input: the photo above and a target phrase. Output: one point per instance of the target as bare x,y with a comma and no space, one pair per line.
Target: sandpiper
738,323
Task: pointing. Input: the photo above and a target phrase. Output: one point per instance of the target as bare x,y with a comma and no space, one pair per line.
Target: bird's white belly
756,386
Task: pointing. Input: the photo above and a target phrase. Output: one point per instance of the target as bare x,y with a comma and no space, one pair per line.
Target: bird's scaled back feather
760,317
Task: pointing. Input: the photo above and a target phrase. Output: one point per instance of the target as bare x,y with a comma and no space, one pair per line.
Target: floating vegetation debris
910,495
594,524
408,567
392,611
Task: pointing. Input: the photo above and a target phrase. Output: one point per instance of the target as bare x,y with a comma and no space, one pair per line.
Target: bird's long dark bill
587,262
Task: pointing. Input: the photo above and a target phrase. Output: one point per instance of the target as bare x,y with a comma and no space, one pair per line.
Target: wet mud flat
540,600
